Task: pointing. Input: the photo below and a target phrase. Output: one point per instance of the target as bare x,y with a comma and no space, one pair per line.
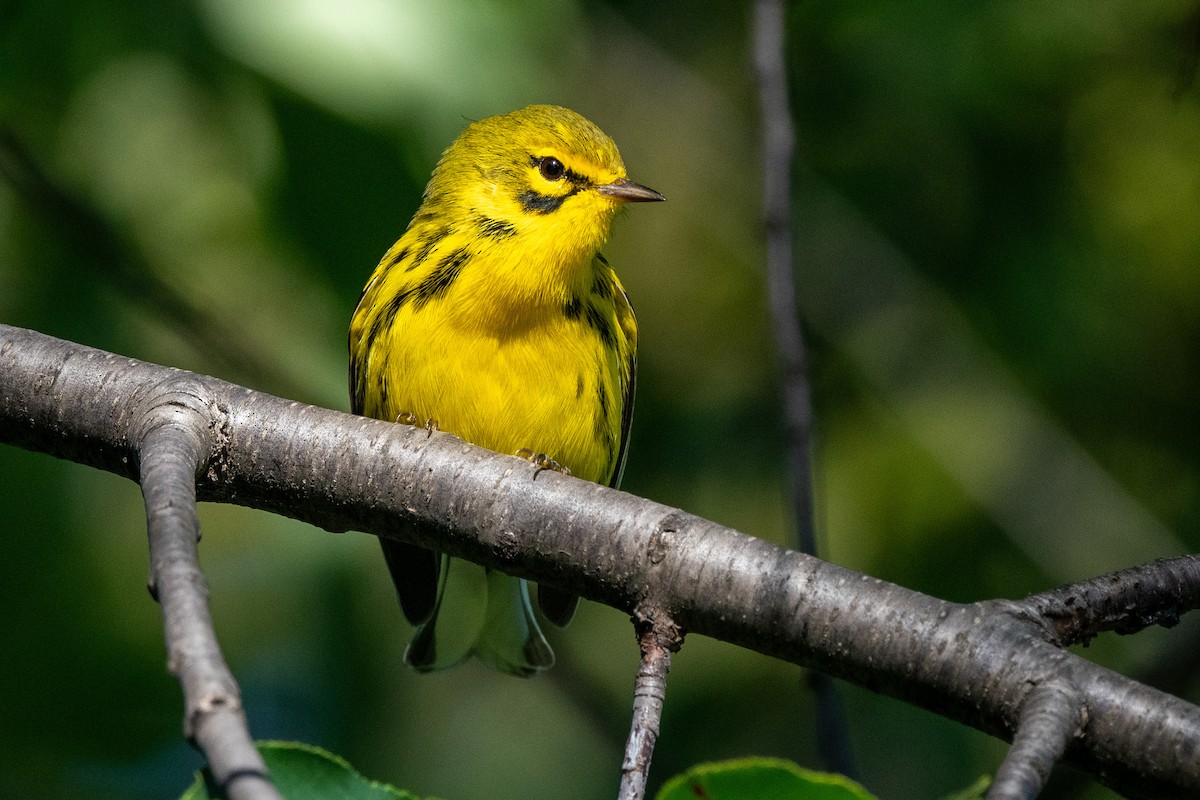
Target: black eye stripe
552,169
575,179
536,203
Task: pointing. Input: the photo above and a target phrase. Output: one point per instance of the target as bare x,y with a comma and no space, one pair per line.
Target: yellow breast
550,373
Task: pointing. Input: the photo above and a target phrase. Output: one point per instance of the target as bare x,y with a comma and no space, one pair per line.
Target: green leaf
760,779
304,772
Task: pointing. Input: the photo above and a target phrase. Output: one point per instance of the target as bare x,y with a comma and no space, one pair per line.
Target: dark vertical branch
1189,53
778,143
778,136
173,448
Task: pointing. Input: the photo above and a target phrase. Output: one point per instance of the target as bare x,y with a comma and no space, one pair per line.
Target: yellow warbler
496,318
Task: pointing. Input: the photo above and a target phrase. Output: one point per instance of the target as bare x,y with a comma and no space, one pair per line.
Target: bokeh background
998,209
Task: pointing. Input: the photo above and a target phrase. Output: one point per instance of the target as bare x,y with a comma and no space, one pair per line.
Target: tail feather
447,636
415,573
511,640
558,606
484,613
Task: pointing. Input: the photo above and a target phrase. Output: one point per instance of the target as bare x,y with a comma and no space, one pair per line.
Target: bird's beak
626,191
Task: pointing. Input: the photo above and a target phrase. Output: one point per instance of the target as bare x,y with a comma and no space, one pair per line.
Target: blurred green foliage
999,257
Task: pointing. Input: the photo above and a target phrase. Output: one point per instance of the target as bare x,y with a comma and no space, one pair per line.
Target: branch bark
658,636
976,663
155,428
1125,602
1052,715
173,442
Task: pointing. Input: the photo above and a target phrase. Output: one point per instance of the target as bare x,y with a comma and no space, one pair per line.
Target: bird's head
542,173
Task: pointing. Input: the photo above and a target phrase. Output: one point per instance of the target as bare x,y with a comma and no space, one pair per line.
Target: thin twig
1052,715
657,638
173,449
778,143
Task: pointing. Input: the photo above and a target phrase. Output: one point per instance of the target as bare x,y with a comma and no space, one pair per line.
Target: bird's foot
409,418
542,461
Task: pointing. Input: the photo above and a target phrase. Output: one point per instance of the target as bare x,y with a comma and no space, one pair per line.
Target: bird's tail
484,613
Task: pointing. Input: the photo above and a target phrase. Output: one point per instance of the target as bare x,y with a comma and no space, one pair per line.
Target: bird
496,318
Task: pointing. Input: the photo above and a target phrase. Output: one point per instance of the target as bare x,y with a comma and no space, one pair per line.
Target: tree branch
658,637
173,439
975,663
1126,601
1053,713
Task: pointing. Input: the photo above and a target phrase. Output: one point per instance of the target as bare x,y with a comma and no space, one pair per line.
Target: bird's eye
551,168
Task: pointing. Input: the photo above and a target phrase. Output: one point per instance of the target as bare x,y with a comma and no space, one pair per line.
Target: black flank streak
384,319
573,309
495,228
602,325
383,391
603,430
358,366
428,242
601,410
601,287
396,259
444,274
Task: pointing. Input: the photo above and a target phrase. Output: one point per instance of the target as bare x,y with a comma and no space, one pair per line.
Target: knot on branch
178,410
220,695
656,629
1057,702
652,621
650,611
662,540
1052,714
